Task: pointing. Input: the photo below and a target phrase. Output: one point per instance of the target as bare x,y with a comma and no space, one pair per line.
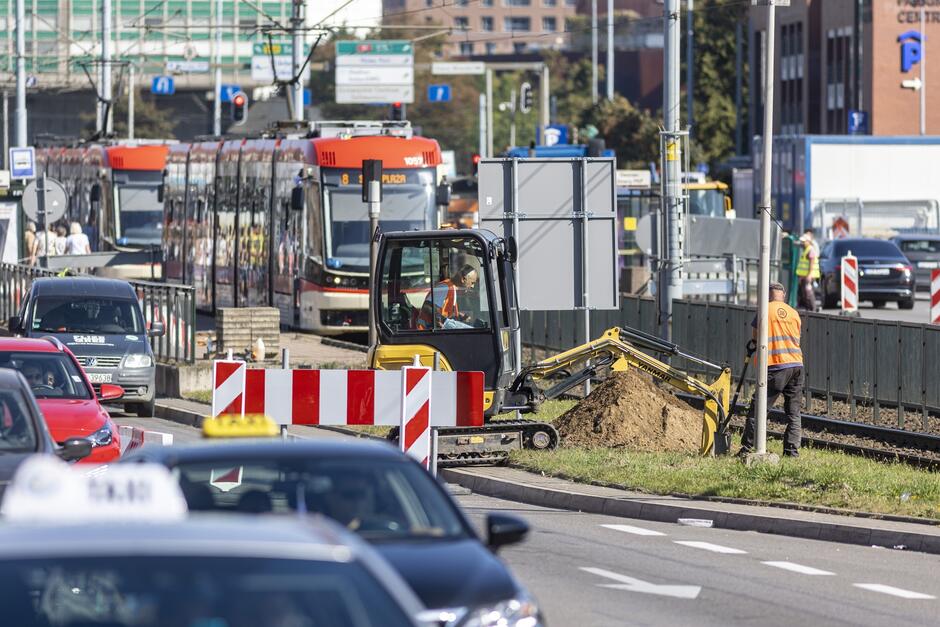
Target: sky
356,13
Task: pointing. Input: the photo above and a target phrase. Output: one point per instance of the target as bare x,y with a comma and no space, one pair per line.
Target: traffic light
475,159
239,108
397,112
525,98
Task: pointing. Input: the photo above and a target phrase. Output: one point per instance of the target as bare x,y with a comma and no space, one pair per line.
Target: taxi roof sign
46,489
235,426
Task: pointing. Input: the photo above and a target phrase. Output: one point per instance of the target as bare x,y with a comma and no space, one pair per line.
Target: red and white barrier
849,284
228,387
134,438
935,296
344,397
415,426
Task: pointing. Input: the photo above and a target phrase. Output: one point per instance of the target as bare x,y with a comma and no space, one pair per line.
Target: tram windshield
140,215
405,207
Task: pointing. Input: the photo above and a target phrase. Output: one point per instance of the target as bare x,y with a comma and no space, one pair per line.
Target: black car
379,493
923,251
884,273
100,320
23,430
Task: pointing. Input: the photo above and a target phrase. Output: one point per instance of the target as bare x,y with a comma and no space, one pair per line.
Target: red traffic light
476,159
239,100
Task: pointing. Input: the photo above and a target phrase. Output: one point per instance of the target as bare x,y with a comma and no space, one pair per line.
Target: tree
631,132
150,121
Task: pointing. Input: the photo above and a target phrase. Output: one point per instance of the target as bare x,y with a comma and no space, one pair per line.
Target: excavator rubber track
491,443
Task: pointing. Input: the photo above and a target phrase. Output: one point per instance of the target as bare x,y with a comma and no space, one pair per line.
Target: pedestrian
807,269
77,242
29,240
91,231
784,371
61,235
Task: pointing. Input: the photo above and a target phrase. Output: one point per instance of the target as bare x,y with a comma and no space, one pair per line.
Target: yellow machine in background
474,331
712,199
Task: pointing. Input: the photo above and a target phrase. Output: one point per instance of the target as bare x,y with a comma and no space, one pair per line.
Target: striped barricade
134,438
935,296
849,284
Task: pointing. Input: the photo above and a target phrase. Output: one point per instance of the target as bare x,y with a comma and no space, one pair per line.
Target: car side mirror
502,530
443,194
110,392
297,198
74,449
13,324
157,329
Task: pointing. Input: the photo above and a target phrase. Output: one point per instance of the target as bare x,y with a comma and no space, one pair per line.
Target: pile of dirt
627,410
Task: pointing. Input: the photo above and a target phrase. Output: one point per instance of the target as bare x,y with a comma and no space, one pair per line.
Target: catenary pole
107,114
923,69
131,89
20,73
690,64
297,27
594,51
763,283
670,277
217,105
610,50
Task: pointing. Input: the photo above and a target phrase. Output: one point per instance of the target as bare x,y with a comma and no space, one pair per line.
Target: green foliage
150,121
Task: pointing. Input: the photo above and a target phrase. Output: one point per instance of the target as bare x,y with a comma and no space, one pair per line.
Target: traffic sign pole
297,89
107,115
130,101
41,189
217,105
20,74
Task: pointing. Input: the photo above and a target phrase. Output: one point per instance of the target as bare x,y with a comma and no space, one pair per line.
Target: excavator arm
619,349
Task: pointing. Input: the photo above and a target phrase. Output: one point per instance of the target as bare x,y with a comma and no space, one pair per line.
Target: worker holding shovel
784,371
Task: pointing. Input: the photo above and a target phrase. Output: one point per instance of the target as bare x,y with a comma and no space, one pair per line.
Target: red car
65,395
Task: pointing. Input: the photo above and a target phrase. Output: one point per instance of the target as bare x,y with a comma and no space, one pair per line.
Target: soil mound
627,410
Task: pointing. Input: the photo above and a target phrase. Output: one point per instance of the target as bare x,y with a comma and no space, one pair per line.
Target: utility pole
594,51
610,49
690,64
217,105
6,130
106,95
738,88
482,139
20,74
670,265
545,91
130,100
489,112
763,283
297,30
923,69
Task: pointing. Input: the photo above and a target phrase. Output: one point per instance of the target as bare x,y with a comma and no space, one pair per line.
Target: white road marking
632,584
898,592
638,531
798,568
708,546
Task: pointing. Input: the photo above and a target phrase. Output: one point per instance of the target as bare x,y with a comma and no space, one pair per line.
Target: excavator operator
441,301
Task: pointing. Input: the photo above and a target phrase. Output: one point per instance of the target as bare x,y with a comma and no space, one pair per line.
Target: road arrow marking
898,592
638,585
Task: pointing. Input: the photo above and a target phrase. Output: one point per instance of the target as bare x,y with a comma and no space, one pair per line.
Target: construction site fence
884,370
174,305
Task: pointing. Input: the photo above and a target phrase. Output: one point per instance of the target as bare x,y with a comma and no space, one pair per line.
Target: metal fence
174,305
879,365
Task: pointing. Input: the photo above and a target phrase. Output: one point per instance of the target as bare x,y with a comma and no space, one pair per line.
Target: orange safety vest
442,297
783,335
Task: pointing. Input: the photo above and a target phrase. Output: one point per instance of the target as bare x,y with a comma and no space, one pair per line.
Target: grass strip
818,477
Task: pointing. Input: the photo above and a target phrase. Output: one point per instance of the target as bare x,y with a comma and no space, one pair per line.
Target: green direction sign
276,49
374,47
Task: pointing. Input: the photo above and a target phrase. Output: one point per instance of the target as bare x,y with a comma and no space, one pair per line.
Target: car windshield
706,202
17,430
378,500
404,208
84,314
930,246
50,375
868,248
145,591
140,215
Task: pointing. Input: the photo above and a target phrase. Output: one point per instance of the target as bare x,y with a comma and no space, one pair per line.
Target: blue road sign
308,97
438,93
22,163
228,91
555,134
162,86
858,122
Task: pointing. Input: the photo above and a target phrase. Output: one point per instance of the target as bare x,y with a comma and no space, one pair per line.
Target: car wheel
877,304
144,410
907,303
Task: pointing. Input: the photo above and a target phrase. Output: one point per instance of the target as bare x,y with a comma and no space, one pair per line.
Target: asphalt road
920,314
589,570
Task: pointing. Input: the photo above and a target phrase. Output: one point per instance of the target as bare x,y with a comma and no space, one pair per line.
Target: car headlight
101,437
518,612
138,361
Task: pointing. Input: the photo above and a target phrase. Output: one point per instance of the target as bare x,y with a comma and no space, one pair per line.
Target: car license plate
878,271
926,264
97,377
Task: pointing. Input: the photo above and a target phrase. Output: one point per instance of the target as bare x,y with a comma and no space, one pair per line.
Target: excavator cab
449,296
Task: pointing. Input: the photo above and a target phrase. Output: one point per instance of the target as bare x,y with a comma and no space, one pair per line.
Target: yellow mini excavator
449,297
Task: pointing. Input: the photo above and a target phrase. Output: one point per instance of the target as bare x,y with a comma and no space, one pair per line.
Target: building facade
848,66
488,27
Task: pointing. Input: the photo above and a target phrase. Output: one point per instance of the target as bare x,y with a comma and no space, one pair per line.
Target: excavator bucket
713,441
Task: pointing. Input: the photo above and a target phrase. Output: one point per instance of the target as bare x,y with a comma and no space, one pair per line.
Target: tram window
433,286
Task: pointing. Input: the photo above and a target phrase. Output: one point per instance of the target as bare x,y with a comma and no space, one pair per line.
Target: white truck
877,186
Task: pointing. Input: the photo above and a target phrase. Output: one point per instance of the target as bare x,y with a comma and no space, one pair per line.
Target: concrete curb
647,507
644,508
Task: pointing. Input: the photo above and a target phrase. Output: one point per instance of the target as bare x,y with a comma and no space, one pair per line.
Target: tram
279,221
